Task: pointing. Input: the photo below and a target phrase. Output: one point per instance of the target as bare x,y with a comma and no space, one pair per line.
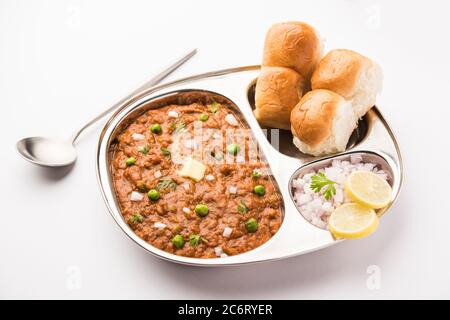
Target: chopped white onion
227,232
218,251
157,174
136,196
303,198
336,163
232,189
186,210
209,177
355,158
172,114
223,255
345,163
307,188
159,225
339,196
186,185
137,136
231,120
316,204
327,206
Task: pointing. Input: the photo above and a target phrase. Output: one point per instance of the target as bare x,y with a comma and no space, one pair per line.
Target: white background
62,62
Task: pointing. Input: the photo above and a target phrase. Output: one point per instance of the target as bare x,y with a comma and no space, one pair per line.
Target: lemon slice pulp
368,189
353,221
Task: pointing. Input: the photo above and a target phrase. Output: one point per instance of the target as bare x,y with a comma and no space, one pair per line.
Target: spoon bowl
47,152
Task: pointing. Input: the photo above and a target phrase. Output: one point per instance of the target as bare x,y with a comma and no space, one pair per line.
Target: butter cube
193,169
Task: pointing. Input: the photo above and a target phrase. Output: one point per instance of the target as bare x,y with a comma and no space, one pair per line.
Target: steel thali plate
373,139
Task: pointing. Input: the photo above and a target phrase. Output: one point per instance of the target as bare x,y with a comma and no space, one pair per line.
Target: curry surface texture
203,132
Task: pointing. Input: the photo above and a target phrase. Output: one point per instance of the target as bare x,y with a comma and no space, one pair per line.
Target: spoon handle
150,83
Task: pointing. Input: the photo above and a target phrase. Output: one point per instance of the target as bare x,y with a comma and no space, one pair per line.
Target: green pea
202,210
153,194
156,128
204,117
178,241
251,225
130,161
259,190
233,148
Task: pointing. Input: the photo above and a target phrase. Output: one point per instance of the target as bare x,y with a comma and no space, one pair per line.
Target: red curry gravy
168,210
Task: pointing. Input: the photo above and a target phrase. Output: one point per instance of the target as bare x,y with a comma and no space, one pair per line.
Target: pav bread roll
322,123
355,77
291,52
278,91
293,45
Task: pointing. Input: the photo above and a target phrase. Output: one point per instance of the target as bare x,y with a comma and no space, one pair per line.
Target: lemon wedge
353,221
368,189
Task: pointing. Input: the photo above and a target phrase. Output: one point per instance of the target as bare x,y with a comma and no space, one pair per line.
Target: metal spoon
49,152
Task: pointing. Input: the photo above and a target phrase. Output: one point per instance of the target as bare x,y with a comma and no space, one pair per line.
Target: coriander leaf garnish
143,149
166,183
136,218
179,126
318,181
196,239
214,107
256,173
242,207
165,151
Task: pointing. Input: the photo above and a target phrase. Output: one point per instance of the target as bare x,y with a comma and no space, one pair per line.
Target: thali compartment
281,139
382,162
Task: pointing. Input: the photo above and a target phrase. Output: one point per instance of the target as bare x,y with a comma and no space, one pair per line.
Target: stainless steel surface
381,160
296,235
49,152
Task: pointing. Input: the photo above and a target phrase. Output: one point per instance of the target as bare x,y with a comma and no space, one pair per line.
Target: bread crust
278,90
312,118
293,45
339,71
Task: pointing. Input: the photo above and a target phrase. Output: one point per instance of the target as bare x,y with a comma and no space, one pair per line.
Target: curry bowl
372,140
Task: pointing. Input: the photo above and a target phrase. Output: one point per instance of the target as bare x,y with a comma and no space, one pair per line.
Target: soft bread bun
322,123
278,90
293,45
353,76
